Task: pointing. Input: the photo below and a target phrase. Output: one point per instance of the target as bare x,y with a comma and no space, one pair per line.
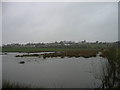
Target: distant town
60,44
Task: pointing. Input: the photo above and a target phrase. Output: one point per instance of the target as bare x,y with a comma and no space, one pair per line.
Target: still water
53,72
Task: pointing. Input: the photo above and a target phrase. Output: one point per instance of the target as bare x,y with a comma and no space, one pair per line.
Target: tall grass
8,84
111,76
15,85
62,54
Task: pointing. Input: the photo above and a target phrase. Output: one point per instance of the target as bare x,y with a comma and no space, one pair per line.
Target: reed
111,78
62,54
16,86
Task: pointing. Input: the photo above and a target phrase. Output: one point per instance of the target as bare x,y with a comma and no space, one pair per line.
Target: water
53,72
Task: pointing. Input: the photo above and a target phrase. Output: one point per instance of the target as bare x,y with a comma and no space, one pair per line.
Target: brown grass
85,53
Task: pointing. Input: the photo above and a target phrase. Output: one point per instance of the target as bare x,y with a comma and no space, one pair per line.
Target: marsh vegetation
62,54
111,77
58,64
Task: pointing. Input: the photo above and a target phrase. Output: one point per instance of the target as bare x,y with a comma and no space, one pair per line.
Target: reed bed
62,54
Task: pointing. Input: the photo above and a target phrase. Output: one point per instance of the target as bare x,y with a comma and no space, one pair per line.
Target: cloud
47,22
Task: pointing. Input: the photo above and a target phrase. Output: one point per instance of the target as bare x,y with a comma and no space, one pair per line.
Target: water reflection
53,72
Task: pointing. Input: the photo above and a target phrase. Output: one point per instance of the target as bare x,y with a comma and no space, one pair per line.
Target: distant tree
56,42
61,42
96,41
84,41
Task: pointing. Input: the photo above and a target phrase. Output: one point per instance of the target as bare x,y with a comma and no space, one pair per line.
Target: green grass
41,49
0,49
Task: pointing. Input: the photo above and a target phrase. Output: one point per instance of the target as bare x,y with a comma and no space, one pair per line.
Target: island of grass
57,52
59,49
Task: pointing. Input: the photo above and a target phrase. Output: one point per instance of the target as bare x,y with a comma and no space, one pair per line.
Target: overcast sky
48,22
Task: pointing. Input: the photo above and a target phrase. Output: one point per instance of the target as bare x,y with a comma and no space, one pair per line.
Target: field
42,49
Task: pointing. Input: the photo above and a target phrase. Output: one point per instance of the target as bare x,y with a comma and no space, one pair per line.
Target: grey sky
48,22
0,24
